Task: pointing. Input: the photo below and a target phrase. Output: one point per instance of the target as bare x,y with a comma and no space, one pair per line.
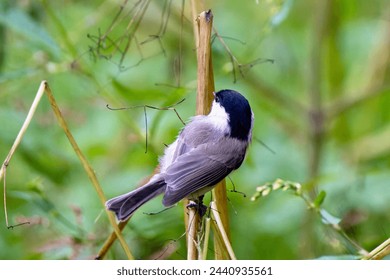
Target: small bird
207,149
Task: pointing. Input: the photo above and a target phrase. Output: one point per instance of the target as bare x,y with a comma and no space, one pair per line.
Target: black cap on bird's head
239,111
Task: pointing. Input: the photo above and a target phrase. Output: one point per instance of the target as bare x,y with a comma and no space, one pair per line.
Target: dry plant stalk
16,143
44,88
204,99
205,89
379,252
88,169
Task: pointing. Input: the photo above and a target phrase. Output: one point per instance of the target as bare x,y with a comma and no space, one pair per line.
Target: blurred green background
315,72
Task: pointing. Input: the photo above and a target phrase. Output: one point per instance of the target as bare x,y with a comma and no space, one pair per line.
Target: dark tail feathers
125,205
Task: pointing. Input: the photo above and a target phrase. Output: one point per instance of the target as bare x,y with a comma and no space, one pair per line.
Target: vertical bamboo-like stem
205,88
196,8
204,100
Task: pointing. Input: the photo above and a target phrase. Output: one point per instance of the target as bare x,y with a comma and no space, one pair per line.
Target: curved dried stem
87,167
16,143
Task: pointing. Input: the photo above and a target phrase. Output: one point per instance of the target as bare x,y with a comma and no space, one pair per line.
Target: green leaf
319,199
22,23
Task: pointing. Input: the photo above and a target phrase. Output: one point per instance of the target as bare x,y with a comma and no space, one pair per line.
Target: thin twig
131,35
110,240
146,129
17,141
233,59
171,107
312,204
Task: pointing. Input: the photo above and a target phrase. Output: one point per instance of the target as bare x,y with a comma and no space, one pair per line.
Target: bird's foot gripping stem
198,205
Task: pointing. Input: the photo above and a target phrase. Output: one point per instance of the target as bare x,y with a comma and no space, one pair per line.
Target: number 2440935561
240,270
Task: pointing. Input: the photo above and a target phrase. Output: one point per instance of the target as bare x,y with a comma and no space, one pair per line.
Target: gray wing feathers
202,167
194,175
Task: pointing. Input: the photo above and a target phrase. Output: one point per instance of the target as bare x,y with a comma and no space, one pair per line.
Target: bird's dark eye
217,98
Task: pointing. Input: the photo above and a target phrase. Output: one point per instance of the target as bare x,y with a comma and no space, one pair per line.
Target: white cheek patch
219,118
